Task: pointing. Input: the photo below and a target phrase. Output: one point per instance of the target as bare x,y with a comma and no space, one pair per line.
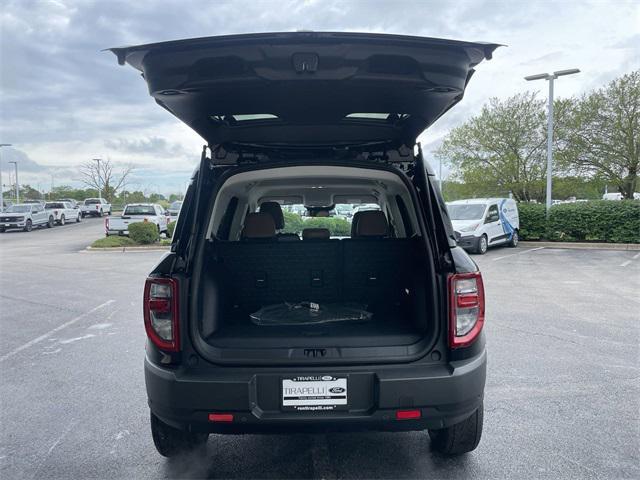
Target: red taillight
408,414
161,314
221,417
466,308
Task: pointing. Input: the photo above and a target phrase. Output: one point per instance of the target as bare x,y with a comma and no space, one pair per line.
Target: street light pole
550,144
1,185
99,177
17,184
550,77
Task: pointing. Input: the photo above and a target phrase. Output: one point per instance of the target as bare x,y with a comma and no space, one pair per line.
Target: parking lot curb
151,248
583,246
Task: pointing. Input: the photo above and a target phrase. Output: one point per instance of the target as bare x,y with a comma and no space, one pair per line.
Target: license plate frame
314,393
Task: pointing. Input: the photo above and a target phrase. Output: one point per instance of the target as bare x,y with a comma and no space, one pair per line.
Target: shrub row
599,221
294,223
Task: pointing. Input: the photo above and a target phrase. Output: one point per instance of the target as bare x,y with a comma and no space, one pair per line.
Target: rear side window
404,214
225,225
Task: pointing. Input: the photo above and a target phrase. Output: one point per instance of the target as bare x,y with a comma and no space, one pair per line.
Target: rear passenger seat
377,268
368,268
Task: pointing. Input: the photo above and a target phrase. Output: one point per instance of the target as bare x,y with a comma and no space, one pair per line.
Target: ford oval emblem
336,390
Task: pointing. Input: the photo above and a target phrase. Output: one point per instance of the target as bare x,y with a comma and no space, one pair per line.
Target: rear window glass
92,201
337,220
54,205
139,210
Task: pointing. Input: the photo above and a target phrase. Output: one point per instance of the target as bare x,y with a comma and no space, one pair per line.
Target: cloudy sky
64,101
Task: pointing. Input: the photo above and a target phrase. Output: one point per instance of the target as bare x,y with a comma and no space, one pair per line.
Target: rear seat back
368,268
377,270
264,273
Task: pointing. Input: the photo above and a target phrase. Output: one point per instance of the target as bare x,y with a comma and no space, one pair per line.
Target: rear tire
170,441
513,243
100,213
62,220
78,218
51,222
460,438
28,226
483,245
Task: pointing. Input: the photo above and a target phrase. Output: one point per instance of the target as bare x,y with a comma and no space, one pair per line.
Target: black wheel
29,226
51,222
2,230
63,220
170,441
82,215
514,239
460,438
483,245
78,218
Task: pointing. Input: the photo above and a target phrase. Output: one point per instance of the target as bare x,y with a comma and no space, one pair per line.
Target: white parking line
51,332
624,264
519,253
635,256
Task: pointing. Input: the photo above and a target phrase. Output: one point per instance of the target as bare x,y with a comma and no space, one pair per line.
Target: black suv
267,315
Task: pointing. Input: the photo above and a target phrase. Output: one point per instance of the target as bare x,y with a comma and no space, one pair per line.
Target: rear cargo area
378,274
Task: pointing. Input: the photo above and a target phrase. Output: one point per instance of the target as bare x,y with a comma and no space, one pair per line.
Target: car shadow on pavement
335,455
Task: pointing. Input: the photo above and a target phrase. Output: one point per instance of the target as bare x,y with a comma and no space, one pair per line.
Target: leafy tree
504,146
603,134
79,194
27,192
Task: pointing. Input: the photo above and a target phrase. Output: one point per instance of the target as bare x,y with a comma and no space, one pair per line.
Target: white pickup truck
63,212
25,216
95,206
137,212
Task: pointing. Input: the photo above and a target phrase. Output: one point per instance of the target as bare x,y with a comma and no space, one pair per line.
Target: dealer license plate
311,393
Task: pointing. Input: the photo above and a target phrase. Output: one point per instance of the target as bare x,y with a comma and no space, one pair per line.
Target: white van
480,223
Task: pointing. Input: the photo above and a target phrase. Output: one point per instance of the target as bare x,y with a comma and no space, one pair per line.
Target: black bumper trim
446,394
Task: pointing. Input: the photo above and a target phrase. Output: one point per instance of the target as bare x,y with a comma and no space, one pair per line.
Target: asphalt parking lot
562,398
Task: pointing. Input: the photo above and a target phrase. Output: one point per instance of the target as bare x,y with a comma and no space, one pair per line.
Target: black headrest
370,223
274,209
258,225
316,234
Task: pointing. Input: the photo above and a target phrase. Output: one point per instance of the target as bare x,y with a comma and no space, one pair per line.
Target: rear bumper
445,394
118,232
